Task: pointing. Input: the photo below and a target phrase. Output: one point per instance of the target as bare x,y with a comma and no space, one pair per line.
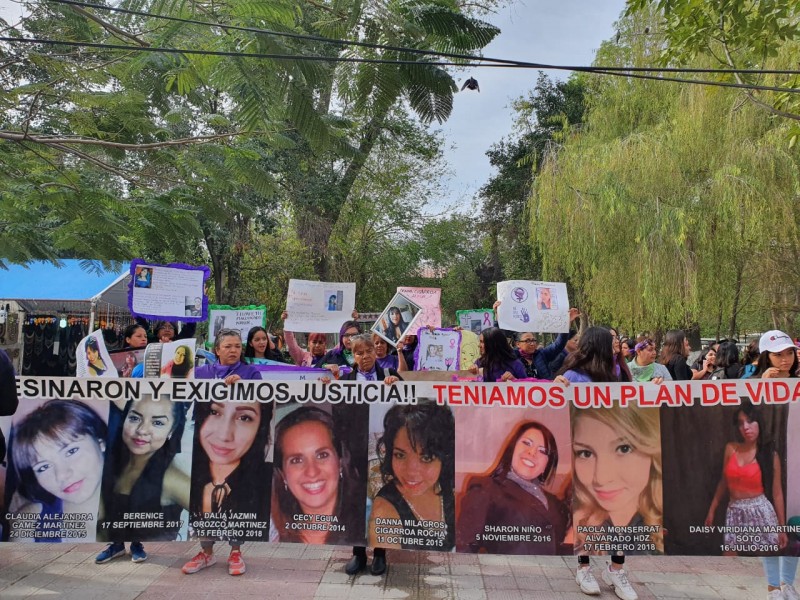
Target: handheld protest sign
93,360
240,318
318,306
475,320
174,292
430,301
437,350
533,306
397,320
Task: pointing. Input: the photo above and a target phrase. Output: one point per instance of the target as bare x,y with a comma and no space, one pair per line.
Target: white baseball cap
775,341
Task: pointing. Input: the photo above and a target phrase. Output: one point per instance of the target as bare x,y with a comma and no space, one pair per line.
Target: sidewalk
302,572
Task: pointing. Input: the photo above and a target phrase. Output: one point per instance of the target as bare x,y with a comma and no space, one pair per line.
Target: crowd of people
231,447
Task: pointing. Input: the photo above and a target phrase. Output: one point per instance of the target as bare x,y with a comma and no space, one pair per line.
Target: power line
350,59
450,55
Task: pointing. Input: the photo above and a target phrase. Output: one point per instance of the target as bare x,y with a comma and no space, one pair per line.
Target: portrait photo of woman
751,480
319,484
230,473
182,364
142,474
95,366
394,328
617,476
416,449
57,451
515,493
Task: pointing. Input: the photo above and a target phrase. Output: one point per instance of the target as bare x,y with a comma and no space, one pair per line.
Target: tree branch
108,26
53,141
765,105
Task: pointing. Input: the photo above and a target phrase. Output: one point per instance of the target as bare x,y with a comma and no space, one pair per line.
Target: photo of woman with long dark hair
141,475
393,330
182,364
315,475
230,474
512,494
57,452
417,466
96,367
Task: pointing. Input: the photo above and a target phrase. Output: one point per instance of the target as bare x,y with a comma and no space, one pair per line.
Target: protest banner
533,306
661,446
475,320
174,292
430,301
398,319
318,306
437,350
240,318
283,372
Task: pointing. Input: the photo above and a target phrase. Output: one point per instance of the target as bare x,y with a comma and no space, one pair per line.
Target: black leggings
362,551
617,560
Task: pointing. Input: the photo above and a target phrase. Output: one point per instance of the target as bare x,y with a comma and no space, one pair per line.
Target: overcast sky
543,31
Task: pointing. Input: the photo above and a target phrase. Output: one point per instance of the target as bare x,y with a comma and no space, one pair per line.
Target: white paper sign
430,301
539,306
319,306
171,293
438,350
93,360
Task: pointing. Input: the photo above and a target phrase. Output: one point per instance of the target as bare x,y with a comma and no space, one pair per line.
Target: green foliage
672,206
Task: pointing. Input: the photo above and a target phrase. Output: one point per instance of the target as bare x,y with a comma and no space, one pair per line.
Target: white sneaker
789,593
618,579
775,595
588,584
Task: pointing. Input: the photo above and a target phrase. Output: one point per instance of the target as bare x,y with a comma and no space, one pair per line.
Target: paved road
298,572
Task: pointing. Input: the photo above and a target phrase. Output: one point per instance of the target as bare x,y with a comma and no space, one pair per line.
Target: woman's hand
771,373
354,315
284,316
326,380
496,304
474,369
574,313
708,366
507,376
709,518
334,369
391,379
783,540
231,379
657,380
562,380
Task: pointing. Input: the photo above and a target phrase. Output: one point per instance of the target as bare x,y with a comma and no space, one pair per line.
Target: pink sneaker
236,564
199,562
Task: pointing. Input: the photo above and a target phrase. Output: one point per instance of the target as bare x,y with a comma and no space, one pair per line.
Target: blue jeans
780,569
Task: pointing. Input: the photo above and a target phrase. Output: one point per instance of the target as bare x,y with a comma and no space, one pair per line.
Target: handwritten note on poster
430,301
540,306
318,306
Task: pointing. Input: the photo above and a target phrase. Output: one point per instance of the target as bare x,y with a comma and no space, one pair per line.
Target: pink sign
430,301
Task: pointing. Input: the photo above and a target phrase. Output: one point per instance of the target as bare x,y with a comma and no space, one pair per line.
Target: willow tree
674,206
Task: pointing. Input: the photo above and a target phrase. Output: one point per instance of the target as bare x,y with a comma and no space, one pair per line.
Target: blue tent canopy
42,286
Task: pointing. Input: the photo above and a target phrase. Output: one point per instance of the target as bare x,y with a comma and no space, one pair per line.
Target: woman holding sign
230,475
318,496
414,510
751,476
595,362
512,495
